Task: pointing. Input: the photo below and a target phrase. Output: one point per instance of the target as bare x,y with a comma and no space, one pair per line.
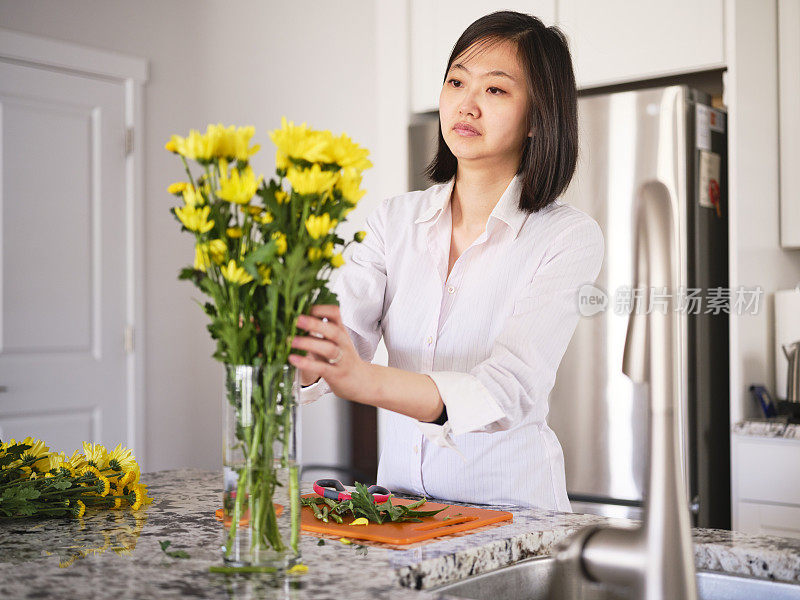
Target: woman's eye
498,89
454,82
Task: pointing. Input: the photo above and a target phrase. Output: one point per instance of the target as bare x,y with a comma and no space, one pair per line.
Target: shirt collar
506,210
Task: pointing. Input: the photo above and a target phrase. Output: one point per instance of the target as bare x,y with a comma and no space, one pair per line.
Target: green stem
234,570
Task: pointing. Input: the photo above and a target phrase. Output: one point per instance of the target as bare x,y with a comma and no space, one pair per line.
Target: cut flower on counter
35,482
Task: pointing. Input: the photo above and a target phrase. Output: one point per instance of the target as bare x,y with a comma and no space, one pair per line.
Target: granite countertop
776,428
116,554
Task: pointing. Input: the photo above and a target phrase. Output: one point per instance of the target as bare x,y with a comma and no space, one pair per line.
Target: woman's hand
329,341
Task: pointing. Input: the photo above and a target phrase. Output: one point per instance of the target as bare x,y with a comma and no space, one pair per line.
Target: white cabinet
436,26
766,485
789,104
615,41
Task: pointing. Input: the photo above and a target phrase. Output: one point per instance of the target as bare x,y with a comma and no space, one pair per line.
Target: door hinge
129,141
129,339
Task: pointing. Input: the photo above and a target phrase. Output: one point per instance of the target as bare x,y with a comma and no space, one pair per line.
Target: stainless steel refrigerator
672,135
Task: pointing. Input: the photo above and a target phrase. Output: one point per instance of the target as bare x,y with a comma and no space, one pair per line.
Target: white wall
239,62
756,257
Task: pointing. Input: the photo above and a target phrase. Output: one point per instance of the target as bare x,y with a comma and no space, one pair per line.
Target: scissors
333,489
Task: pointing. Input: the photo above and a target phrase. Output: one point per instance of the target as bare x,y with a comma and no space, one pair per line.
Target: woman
472,283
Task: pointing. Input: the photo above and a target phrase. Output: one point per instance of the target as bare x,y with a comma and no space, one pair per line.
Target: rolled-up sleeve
360,286
517,377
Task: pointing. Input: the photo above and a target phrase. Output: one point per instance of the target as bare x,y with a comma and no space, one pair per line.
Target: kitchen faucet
654,561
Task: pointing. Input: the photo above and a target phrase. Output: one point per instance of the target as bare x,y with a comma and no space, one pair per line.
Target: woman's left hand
348,377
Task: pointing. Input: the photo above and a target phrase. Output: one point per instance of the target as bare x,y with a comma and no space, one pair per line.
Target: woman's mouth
465,130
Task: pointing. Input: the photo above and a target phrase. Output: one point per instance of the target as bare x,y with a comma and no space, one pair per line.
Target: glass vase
261,492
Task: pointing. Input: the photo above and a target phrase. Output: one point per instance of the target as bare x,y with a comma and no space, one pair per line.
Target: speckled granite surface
765,428
117,555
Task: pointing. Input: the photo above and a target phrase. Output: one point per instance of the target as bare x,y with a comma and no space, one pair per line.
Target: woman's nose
468,103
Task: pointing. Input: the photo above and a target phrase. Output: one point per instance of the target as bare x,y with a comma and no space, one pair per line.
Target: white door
63,264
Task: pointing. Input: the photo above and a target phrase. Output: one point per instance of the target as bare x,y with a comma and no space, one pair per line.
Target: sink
530,580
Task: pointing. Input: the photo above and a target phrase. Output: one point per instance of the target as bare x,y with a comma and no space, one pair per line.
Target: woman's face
487,91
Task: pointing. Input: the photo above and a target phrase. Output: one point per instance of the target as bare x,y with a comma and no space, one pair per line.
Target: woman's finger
324,349
329,311
327,329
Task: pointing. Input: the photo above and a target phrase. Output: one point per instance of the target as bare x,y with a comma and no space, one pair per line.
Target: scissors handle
338,493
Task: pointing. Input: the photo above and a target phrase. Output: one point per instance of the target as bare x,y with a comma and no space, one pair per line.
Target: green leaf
263,255
187,273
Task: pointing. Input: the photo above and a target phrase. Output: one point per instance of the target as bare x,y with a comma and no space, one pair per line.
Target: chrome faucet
654,561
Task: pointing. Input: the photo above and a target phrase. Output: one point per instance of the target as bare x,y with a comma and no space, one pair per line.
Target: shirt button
429,341
450,289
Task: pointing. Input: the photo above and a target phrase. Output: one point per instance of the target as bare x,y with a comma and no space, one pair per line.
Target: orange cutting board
406,533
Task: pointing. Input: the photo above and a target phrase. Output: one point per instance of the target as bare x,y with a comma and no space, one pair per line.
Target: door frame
41,52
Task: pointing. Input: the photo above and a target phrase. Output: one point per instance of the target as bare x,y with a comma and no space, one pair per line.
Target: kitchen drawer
768,470
769,519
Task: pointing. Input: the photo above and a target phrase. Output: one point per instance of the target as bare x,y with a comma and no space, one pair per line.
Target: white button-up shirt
491,335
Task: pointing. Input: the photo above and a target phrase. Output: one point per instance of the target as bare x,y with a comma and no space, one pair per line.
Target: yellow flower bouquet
35,482
264,251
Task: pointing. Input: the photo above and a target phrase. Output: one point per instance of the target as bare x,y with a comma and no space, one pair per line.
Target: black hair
549,155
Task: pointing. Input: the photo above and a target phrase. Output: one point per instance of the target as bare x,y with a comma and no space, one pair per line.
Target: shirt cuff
470,406
309,394
440,435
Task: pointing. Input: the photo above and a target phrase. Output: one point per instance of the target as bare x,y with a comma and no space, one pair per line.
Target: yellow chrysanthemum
327,250
298,142
195,219
346,153
264,273
349,183
89,468
138,498
96,455
80,509
337,261
234,143
54,462
106,486
177,188
359,236
217,142
38,450
235,274
282,197
259,215
280,242
238,186
319,226
122,459
314,254
234,232
129,477
77,461
193,197
264,218
311,181
207,252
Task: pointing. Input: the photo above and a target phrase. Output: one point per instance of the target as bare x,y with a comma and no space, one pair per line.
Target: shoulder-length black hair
550,154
